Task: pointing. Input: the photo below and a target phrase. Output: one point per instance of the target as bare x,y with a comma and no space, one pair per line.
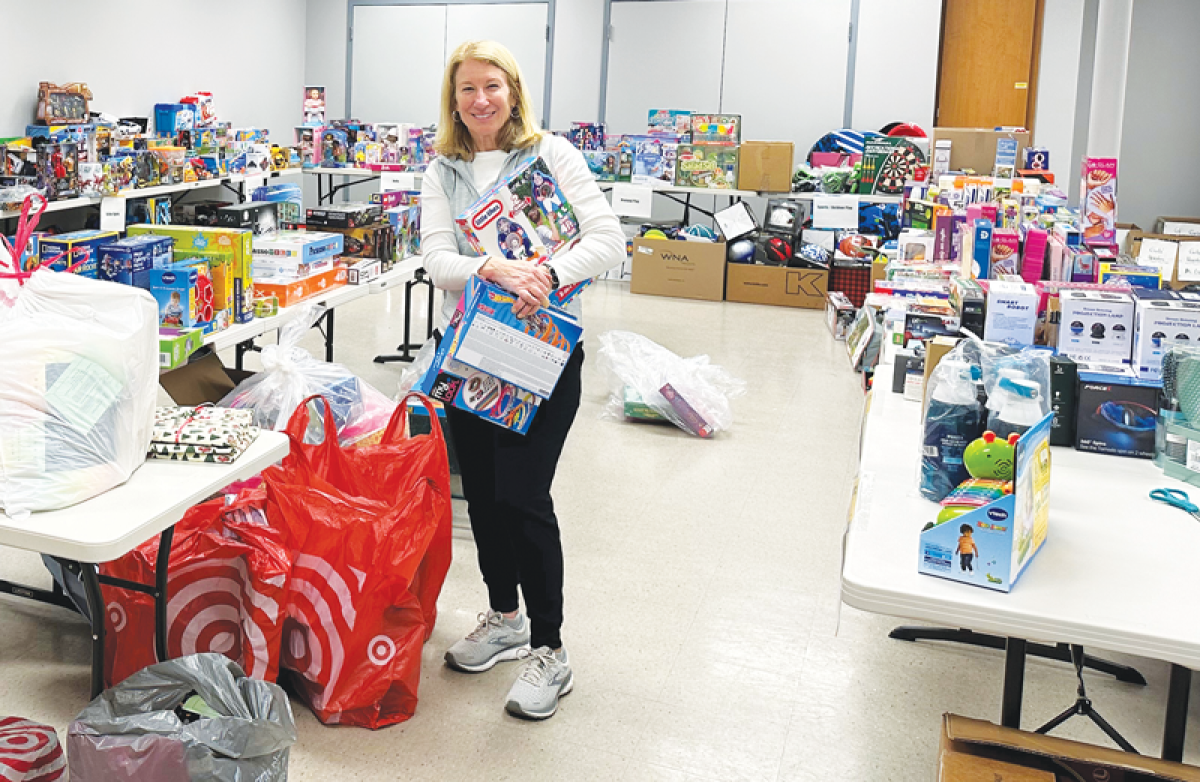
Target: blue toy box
76,247
175,291
170,118
992,545
127,261
495,366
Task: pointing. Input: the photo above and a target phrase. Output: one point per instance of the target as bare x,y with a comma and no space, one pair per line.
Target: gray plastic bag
131,731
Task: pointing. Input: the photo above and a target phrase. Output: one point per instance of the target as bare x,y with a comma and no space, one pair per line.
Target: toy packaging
602,164
1037,159
171,118
63,105
127,261
298,246
289,292
1005,165
1006,252
1116,412
372,241
58,170
78,248
1012,309
990,545
235,242
1096,326
363,271
1098,200
709,166
524,217
175,345
670,121
839,314
261,217
343,215
887,163
720,129
587,136
1160,322
654,159
175,291
395,198
332,147
314,105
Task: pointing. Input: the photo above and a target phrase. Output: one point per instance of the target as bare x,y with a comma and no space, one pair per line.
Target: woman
488,127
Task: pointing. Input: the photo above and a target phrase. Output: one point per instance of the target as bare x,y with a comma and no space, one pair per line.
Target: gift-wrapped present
202,434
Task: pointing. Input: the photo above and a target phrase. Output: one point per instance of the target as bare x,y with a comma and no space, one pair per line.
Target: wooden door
988,63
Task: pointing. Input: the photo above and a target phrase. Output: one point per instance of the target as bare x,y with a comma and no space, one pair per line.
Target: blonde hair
453,139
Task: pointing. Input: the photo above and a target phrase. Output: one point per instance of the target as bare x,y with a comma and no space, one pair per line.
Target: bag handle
26,224
297,425
400,418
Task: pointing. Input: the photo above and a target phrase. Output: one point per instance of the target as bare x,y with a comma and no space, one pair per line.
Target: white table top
400,273
347,171
155,497
1116,571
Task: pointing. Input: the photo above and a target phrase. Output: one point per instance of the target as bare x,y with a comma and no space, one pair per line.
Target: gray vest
459,185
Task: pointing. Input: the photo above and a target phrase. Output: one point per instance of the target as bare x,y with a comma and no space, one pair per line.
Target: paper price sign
835,211
1160,254
390,181
1189,262
253,183
632,200
112,213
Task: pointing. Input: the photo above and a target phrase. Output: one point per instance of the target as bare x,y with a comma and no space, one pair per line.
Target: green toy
988,458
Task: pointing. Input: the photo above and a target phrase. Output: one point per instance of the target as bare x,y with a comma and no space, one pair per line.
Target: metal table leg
1014,683
162,567
1177,711
91,586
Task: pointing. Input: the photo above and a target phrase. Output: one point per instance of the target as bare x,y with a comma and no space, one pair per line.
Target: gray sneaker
546,678
491,642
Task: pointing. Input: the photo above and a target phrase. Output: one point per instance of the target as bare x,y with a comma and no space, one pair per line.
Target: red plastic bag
226,588
370,532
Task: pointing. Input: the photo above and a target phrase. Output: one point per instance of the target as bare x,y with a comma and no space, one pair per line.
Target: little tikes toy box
992,545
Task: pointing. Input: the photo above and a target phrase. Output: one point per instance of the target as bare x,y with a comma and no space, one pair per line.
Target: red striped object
29,752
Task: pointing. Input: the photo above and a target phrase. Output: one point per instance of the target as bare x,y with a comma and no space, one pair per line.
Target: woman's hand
525,279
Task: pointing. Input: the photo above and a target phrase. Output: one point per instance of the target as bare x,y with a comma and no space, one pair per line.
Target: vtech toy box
234,242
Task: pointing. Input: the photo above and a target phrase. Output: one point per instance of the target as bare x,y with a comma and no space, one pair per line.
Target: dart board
897,168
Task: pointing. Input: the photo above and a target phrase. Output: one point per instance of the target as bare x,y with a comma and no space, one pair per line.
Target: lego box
991,546
344,215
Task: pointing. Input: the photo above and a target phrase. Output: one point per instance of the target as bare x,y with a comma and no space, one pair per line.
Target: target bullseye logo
116,615
29,751
321,613
381,650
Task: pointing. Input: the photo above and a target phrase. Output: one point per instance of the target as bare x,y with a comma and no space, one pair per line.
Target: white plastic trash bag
78,385
647,381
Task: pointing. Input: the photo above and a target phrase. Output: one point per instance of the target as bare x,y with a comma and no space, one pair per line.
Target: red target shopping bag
226,588
30,752
369,532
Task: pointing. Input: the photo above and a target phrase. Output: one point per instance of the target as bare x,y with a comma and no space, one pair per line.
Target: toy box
977,252
1149,277
839,314
720,129
175,345
219,265
58,170
1033,255
887,163
290,292
298,246
363,271
968,300
127,261
708,165
332,147
175,291
1098,200
273,269
603,164
670,121
587,136
1006,252
343,215
77,248
234,242
524,217
1096,326
991,546
1159,323
654,159
1037,159
1012,309
396,198
1116,414
261,217
372,241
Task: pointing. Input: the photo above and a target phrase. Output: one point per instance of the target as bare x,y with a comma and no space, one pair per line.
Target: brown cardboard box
1047,754
203,380
975,148
689,270
960,767
1177,226
766,166
935,350
1135,249
754,284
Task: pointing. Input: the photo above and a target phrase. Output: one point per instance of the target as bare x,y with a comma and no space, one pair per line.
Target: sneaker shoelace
540,666
487,620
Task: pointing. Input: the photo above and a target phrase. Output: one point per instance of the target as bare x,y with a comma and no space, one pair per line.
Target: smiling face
483,100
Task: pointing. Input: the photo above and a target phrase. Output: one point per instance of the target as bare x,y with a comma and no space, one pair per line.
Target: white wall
896,83
325,53
1158,139
578,34
132,55
1058,82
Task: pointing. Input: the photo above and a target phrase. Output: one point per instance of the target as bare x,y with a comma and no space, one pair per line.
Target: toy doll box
523,217
991,546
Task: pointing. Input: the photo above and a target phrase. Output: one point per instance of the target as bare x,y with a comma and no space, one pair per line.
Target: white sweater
601,246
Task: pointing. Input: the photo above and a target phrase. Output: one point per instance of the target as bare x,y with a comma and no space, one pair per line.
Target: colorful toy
710,166
670,121
721,129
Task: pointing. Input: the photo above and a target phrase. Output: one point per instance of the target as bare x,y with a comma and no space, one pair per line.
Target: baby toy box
991,545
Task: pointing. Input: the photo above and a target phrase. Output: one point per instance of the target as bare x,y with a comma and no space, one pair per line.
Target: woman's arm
447,268
602,243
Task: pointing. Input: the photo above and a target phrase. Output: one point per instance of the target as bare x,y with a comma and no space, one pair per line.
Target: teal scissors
1178,499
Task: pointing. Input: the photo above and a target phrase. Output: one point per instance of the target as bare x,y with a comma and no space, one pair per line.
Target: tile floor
703,612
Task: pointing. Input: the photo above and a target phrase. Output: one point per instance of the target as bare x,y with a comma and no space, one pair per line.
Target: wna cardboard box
689,270
754,284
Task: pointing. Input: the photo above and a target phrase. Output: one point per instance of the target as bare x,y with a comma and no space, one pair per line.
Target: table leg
1177,711
162,567
320,190
329,336
1014,683
95,599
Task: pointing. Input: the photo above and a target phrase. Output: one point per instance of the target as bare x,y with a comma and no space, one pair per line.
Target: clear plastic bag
954,416
416,370
143,728
691,393
78,389
290,375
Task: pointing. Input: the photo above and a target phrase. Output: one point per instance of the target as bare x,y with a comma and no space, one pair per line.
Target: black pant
506,479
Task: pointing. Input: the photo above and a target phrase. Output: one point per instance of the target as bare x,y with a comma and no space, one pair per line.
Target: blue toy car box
992,545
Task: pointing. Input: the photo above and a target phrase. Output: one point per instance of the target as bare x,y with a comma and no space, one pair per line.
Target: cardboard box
779,285
200,381
839,314
935,350
343,215
363,271
176,345
1116,414
766,166
291,292
1042,754
1012,309
992,546
975,148
1177,226
1096,326
1064,377
235,242
689,270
